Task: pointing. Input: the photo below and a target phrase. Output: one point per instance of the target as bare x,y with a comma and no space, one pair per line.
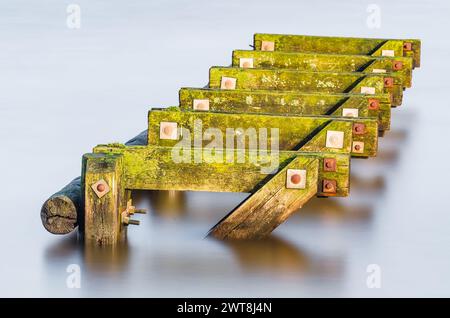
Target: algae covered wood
325,62
61,212
105,197
259,214
340,45
292,80
164,168
250,131
287,103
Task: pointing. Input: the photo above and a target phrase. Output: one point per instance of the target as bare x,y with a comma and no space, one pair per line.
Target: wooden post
105,198
62,212
259,214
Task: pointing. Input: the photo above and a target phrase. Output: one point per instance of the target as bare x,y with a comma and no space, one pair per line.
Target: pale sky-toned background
62,91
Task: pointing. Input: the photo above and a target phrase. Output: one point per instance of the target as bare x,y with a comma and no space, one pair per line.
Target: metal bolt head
388,82
246,62
329,164
267,46
407,46
100,188
227,83
168,130
329,186
295,179
397,65
358,147
200,104
374,104
359,129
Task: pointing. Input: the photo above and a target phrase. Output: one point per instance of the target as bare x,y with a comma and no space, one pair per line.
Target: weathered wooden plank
160,168
60,213
287,103
314,62
292,80
199,129
258,215
340,45
105,198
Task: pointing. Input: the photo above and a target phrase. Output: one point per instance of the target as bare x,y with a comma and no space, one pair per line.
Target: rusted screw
101,187
374,104
398,65
357,147
295,178
407,46
328,164
328,186
388,82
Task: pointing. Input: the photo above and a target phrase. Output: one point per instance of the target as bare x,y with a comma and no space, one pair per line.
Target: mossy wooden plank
288,103
156,168
292,80
105,197
340,45
264,131
259,214
325,62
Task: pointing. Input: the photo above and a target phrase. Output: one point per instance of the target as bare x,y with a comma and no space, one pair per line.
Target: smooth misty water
64,91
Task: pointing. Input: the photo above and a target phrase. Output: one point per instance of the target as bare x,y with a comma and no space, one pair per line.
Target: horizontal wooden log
156,168
340,45
284,132
292,80
60,213
287,103
314,62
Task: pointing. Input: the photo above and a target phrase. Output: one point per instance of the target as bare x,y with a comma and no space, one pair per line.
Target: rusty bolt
357,147
168,130
359,129
295,178
101,187
388,82
397,65
407,46
374,104
329,186
329,164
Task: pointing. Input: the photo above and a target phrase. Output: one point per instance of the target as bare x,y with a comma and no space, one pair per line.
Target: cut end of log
59,215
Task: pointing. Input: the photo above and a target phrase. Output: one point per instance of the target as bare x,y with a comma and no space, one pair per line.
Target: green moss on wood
287,103
292,80
326,62
340,45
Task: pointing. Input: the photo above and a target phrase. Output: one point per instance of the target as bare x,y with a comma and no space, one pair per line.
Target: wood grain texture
102,215
292,131
324,82
259,214
288,103
340,45
153,168
314,62
61,212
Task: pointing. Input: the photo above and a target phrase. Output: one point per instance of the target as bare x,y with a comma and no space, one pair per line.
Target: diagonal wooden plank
260,213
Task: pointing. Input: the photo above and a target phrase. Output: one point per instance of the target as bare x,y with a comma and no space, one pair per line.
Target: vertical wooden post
105,198
259,214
